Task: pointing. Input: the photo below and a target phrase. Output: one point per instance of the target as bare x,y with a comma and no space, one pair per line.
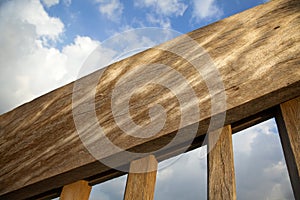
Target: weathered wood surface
256,52
221,178
79,190
141,185
288,122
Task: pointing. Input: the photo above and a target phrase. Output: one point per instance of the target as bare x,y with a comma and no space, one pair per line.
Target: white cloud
203,9
161,11
165,174
166,7
184,179
87,55
111,9
159,20
259,164
28,67
50,3
243,141
67,2
31,12
109,190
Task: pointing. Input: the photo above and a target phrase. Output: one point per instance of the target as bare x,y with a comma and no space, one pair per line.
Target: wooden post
288,121
141,185
79,190
221,179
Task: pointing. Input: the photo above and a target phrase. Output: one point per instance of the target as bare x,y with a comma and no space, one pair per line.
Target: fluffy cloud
26,57
67,2
161,11
77,52
205,9
50,3
260,168
111,9
166,7
110,190
185,179
163,22
32,13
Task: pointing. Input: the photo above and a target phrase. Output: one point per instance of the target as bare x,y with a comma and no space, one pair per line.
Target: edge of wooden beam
288,123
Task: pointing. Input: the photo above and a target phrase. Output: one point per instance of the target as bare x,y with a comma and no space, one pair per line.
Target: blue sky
44,43
84,17
87,18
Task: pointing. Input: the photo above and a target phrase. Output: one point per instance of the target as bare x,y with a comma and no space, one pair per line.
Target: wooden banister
256,53
79,190
288,121
141,179
221,178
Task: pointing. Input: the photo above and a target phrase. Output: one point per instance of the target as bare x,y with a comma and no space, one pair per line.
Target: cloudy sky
259,166
44,43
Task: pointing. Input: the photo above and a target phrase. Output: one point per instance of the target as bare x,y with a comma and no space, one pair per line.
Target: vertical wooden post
288,121
79,190
221,178
141,185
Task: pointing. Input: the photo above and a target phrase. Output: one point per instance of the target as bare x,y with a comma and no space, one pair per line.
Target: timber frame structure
257,54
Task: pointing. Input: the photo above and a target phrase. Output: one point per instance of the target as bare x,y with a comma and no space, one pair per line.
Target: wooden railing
221,178
256,54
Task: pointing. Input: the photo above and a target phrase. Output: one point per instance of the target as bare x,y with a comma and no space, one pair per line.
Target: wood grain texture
141,185
288,120
256,53
79,190
221,178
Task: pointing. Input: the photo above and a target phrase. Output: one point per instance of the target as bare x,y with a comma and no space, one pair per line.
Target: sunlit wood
141,185
79,190
221,178
256,53
288,121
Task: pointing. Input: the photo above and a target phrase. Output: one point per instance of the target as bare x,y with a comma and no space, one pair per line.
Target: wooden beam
79,190
221,178
141,179
254,52
288,121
